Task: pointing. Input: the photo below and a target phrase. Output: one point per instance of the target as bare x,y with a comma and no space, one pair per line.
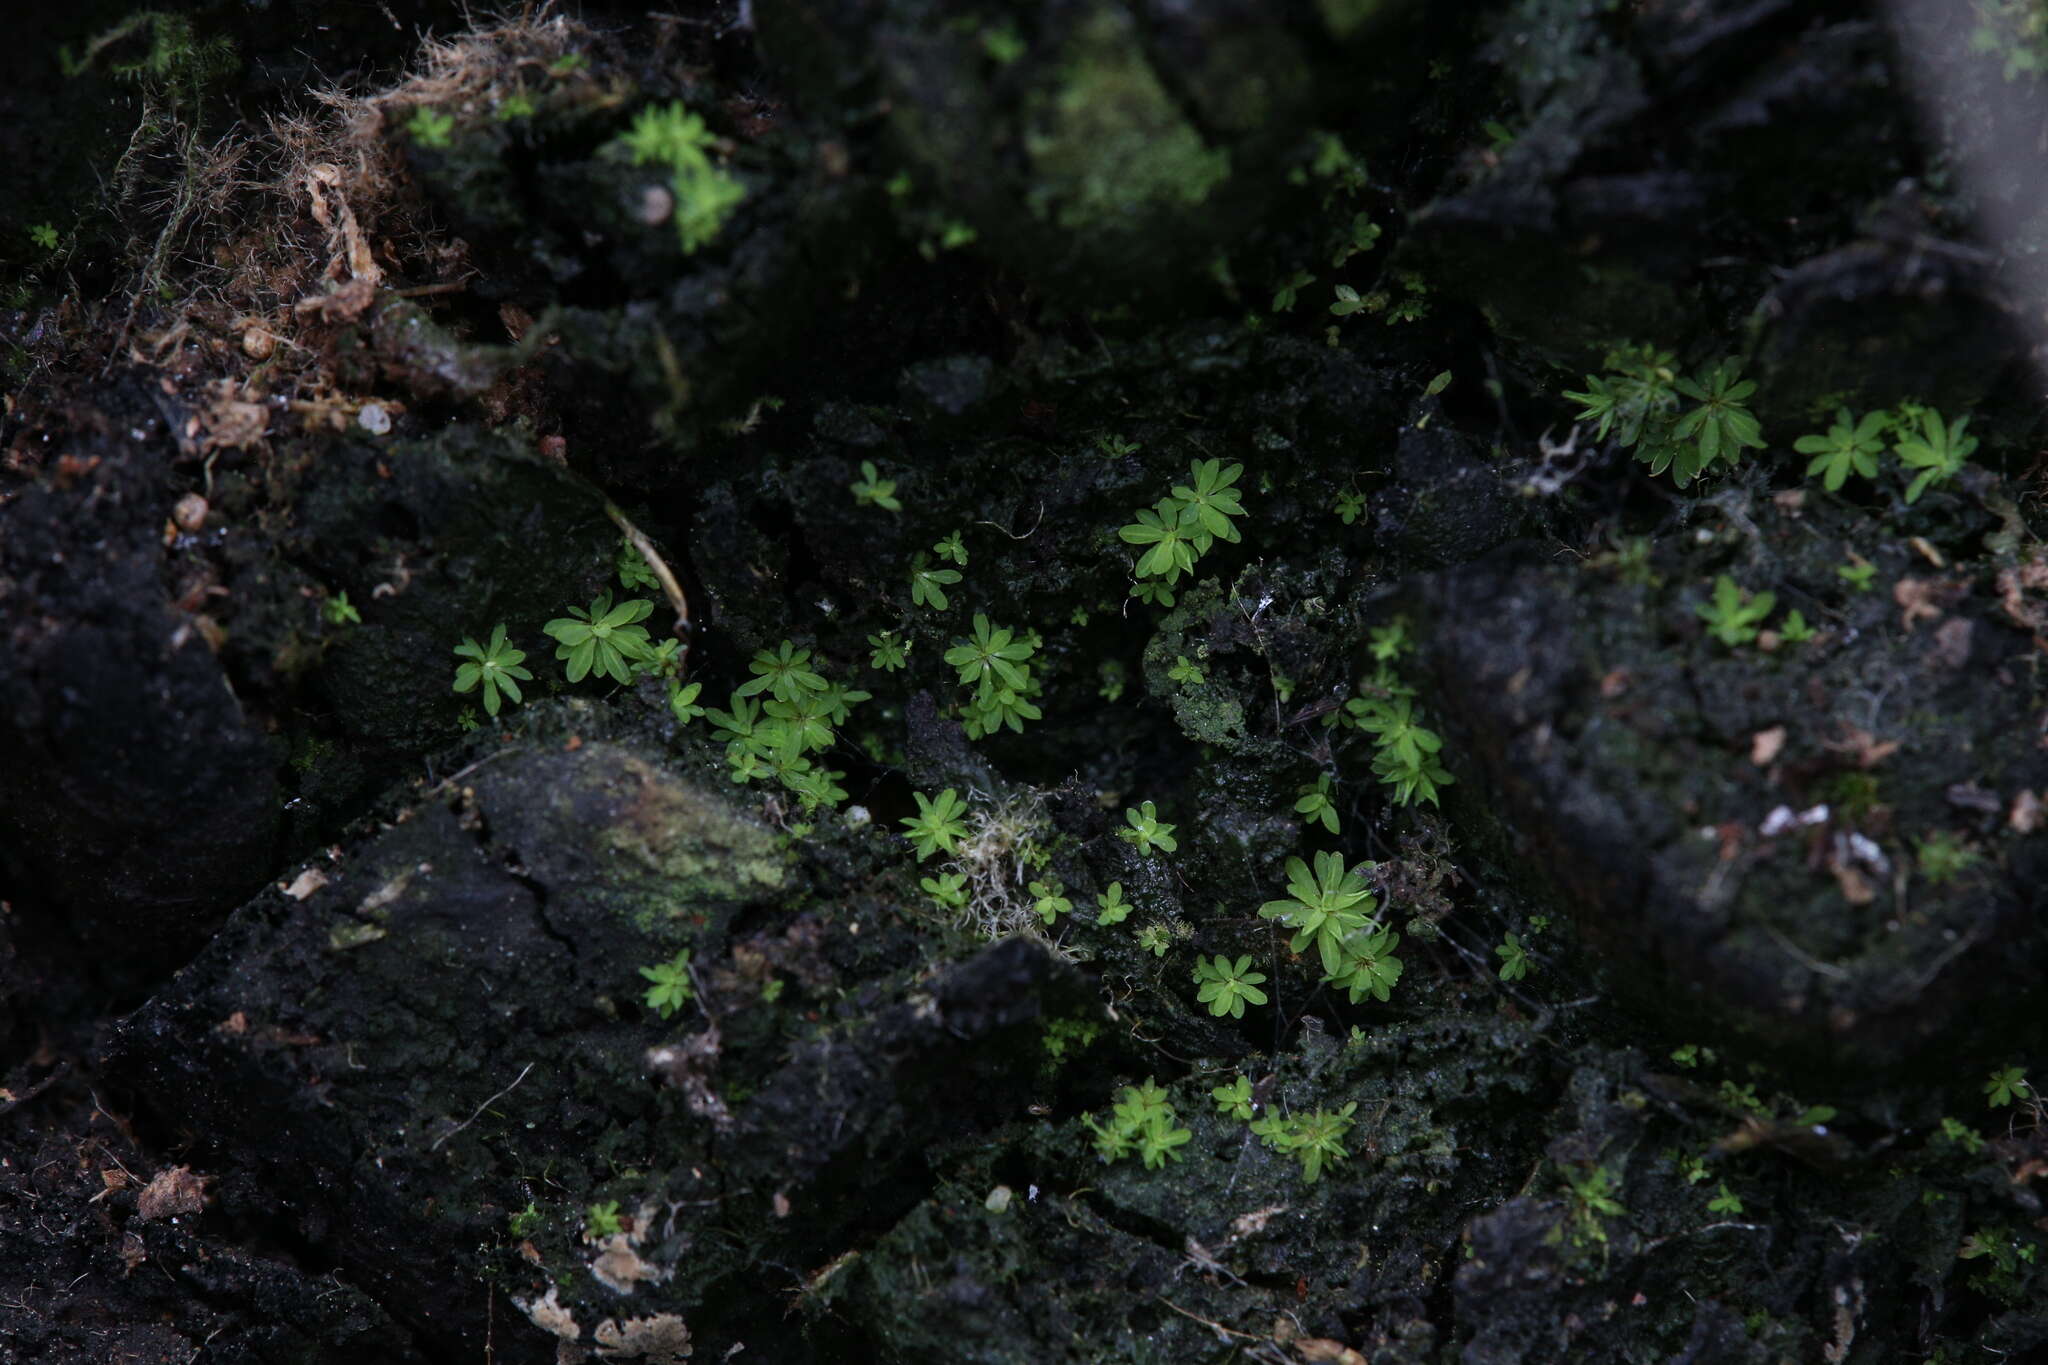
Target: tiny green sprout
1172,543
601,1221
928,586
948,889
568,64
1154,592
671,984
889,653
515,105
430,127
1209,501
1359,236
1324,908
2006,1085
682,701
1347,302
1437,385
1722,424
1937,451
1315,1140
496,666
1155,938
771,990
526,1222
993,659
1390,642
1367,965
952,548
1857,573
1110,905
1003,44
1227,987
1725,1202
43,235
603,638
339,611
1289,291
1794,629
705,196
1943,857
1185,673
872,490
1115,447
1691,1055
1514,958
1348,507
1315,805
937,824
1235,1099
1147,831
1734,615
1050,901
634,572
1850,447
1406,753
784,675
1962,1135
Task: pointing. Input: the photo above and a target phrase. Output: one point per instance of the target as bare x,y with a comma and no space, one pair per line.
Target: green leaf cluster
671,984
994,664
1147,831
674,137
937,825
1315,1140
1227,987
1141,1122
603,638
1182,527
495,667
1641,404
1734,617
1405,752
776,737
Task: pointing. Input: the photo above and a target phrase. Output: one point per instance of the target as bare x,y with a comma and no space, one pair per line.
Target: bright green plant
1049,900
1323,909
516,105
928,586
671,986
1637,404
1794,629
1172,545
429,127
872,490
602,1220
1514,958
1140,1122
1725,1202
1591,1199
1734,616
1850,447
1348,507
674,137
889,653
603,639
784,674
937,825
994,657
1857,573
1288,292
1147,831
1179,529
1115,447
682,701
495,667
948,889
1315,1140
1943,857
1937,451
1406,752
2006,1085
1110,905
1234,1099
1227,987
952,548
43,235
1210,501
1315,805
1185,673
634,574
1367,965
1155,938
339,611
1347,302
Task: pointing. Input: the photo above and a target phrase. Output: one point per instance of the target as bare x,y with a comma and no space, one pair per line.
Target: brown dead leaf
1856,888
1867,749
305,884
174,1191
1322,1349
2026,813
1614,683
133,1253
1928,552
1952,642
1915,597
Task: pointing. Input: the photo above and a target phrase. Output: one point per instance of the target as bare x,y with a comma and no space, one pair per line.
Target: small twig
1218,1328
436,1143
660,569
1012,534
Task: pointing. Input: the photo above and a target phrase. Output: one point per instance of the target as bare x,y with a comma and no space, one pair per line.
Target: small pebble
190,513
374,419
